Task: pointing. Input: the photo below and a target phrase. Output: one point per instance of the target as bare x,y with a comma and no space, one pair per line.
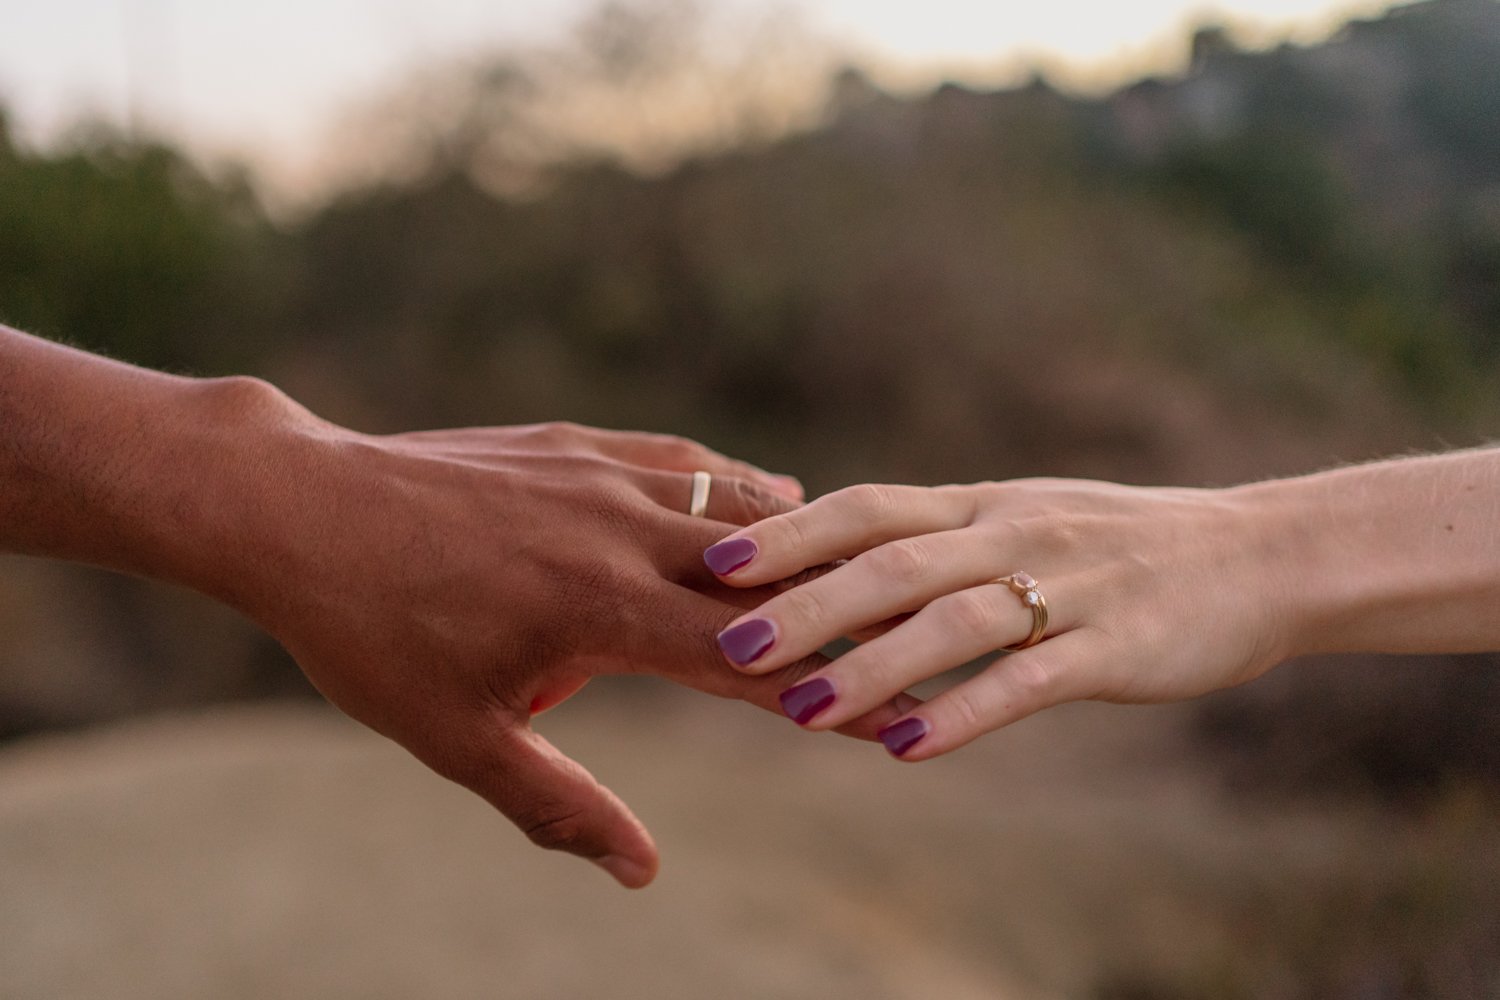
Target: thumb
559,805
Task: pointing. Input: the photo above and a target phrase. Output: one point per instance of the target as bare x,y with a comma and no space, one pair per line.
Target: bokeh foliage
130,248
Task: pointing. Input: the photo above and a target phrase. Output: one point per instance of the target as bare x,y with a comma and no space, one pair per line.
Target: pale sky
263,80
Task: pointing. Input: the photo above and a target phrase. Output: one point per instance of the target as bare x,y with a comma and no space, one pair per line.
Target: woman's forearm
1398,556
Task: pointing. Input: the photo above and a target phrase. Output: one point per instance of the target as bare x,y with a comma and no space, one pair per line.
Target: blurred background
924,243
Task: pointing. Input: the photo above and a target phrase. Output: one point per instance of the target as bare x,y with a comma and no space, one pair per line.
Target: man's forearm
109,464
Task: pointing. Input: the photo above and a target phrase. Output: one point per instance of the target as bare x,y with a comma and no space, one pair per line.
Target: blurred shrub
129,248
1403,729
1364,168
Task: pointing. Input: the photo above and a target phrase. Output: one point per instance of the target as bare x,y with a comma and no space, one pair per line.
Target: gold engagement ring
1024,587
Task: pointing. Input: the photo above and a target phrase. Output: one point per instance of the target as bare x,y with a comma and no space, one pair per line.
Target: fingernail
629,873
807,699
747,641
900,737
729,555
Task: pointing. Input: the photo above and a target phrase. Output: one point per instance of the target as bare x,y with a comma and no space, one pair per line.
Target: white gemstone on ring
1024,586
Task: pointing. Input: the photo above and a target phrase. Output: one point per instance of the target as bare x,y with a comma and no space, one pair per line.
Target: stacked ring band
1024,587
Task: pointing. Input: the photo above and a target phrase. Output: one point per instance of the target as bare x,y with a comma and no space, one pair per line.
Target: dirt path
285,852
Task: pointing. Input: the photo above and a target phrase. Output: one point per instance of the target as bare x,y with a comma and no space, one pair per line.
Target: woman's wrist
1391,557
1299,564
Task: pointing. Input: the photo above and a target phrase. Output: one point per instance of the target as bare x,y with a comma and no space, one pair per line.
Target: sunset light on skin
263,82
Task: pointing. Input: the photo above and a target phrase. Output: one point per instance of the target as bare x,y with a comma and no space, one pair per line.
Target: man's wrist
228,449
133,470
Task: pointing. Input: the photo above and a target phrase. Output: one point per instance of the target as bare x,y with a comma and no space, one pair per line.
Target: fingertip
789,487
633,859
746,642
903,737
629,872
804,702
729,556
868,726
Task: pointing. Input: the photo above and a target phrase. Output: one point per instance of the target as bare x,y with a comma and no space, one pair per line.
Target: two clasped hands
445,587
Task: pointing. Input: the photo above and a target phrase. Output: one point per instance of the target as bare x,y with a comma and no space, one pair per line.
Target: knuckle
594,591
964,497
758,502
740,497
1059,534
872,503
804,607
972,611
681,449
551,432
791,538
1003,537
554,828
870,667
617,505
1033,677
906,561
963,703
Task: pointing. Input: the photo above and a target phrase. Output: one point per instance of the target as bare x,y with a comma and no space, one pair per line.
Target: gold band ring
1024,587
698,506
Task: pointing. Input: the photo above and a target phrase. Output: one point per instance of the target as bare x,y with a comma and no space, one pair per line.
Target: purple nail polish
807,699
747,641
900,737
729,555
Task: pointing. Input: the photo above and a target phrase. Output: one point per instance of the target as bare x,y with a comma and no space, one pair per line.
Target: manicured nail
729,555
807,699
900,737
747,641
631,874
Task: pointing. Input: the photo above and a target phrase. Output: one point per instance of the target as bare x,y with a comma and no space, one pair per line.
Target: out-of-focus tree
644,84
1367,165
130,248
